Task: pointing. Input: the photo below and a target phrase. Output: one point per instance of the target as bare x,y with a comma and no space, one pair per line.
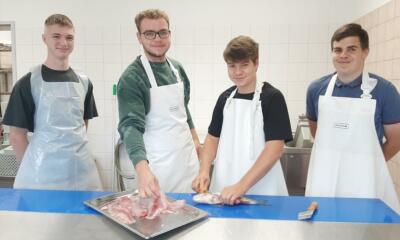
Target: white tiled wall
383,25
293,37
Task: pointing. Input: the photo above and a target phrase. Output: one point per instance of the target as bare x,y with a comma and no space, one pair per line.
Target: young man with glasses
155,123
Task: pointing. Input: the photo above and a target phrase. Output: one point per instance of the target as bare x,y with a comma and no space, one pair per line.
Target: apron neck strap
175,71
150,74
367,85
331,85
256,96
257,92
36,71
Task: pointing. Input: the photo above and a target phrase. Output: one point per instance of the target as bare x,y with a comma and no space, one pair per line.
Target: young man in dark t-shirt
249,126
55,103
21,107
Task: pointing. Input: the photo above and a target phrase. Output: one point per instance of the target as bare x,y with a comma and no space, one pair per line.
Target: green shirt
133,94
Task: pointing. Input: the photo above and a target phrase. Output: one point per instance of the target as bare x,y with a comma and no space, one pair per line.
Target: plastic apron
241,142
58,155
347,158
169,144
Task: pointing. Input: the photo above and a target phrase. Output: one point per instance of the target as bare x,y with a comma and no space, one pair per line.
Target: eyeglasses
151,35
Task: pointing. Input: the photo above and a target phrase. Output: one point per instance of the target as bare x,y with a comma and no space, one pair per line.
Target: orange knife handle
313,206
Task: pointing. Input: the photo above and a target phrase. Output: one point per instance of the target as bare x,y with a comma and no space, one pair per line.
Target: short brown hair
351,30
59,19
151,14
241,48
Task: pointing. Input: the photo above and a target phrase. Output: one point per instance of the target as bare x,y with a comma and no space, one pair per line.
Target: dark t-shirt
275,113
21,106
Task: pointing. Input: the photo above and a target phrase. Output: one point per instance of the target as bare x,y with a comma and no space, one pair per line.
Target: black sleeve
21,107
218,114
276,118
90,105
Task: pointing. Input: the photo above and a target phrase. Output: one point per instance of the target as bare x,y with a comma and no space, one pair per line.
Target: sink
296,157
295,167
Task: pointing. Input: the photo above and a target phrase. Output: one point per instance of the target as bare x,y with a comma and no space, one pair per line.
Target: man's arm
19,141
147,182
269,156
133,97
90,109
312,106
313,127
207,156
392,144
196,141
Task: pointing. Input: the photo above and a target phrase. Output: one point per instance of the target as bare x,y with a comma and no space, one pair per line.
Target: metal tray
150,228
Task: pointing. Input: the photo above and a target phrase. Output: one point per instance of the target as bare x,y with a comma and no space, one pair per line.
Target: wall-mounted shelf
5,70
5,48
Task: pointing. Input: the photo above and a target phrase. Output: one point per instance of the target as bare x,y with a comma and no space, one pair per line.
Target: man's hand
231,194
201,182
148,183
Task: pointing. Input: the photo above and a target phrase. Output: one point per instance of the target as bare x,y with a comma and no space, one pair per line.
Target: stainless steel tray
150,228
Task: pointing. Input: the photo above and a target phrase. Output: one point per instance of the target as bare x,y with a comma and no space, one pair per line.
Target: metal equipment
148,228
8,167
125,179
296,157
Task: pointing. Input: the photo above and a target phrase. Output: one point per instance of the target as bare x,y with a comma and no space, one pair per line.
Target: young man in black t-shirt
249,127
55,103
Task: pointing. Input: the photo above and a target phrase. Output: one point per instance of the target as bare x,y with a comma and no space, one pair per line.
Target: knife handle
313,206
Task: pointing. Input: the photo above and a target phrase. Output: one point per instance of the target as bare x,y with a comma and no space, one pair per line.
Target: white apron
347,158
241,141
169,144
58,155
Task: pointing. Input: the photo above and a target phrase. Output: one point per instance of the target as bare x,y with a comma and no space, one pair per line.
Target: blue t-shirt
387,99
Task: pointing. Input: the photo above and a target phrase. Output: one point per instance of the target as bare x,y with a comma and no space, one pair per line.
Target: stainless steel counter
50,226
50,214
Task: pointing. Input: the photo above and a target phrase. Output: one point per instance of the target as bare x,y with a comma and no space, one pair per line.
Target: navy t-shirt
386,95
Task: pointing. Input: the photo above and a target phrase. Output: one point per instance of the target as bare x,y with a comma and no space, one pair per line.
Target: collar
355,83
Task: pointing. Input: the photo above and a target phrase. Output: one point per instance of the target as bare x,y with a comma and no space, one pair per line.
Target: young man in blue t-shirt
349,113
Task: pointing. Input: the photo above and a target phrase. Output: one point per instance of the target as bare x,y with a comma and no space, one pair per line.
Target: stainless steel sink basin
296,150
295,166
296,157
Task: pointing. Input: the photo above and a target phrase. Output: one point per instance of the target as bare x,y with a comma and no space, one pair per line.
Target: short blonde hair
59,19
151,14
241,48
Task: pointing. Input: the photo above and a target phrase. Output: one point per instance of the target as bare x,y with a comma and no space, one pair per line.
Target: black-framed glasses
151,35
